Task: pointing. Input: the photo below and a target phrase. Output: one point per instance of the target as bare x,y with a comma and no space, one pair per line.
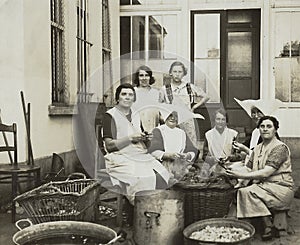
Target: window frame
82,50
59,93
281,8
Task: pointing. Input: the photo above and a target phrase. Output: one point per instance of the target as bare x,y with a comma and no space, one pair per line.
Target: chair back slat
6,128
7,146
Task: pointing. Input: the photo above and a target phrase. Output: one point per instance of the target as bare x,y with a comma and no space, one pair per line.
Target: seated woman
256,109
218,144
269,169
172,146
127,159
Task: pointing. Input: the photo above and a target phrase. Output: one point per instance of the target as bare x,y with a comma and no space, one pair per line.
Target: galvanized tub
159,217
66,233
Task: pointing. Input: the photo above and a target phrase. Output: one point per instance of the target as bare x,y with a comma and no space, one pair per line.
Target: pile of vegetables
220,234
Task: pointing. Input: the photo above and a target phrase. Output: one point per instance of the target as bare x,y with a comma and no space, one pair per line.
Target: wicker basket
203,201
64,200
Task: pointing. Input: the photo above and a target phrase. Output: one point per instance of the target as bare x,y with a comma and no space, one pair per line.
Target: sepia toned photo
144,122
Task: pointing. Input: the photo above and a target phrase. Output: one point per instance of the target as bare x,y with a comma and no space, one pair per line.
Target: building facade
55,50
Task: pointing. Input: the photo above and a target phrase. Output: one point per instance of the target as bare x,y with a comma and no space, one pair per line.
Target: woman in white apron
127,160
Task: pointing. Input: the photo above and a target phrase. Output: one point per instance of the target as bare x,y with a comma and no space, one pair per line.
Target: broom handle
27,124
6,142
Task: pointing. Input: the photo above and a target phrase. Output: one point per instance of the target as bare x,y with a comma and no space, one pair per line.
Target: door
225,52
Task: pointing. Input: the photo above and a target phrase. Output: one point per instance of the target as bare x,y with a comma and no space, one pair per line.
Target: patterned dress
274,192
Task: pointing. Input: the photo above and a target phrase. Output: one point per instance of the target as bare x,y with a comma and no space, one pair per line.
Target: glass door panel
207,54
239,54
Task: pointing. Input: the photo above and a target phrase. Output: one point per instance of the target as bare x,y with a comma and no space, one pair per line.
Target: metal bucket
217,222
66,233
159,217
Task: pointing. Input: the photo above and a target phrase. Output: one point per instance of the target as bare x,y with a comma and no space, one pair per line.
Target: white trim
148,8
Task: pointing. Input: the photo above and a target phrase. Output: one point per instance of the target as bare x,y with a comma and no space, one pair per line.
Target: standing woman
179,92
269,168
146,95
127,160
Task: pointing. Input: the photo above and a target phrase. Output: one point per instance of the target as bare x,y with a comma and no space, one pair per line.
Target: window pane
239,17
156,30
208,45
239,54
138,37
295,80
295,34
170,36
124,2
282,34
125,31
207,54
282,78
162,36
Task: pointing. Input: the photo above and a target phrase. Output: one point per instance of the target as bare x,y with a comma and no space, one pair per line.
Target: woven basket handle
83,176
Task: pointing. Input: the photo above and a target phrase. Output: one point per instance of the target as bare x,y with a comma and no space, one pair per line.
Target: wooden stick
30,153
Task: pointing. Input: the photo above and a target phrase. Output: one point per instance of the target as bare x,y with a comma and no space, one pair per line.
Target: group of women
150,147
146,149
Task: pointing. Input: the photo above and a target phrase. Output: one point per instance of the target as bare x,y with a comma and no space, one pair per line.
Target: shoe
268,234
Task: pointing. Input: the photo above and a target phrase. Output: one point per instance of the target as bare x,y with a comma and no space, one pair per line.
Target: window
59,95
82,51
144,39
106,48
287,56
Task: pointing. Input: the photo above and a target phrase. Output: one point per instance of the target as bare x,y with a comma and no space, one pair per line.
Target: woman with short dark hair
146,98
127,160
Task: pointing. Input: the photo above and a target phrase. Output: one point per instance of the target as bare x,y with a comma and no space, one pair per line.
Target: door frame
225,27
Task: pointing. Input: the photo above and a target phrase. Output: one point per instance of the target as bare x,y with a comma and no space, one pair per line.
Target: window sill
61,110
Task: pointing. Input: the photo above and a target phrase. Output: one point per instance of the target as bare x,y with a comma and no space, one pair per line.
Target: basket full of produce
219,231
205,197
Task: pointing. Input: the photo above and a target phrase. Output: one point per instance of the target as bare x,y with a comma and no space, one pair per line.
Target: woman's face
177,73
256,114
220,121
144,78
126,98
267,129
172,120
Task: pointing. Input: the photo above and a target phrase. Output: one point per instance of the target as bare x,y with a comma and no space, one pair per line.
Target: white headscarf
266,106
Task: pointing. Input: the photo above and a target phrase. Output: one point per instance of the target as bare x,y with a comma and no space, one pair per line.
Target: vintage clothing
274,192
172,140
132,164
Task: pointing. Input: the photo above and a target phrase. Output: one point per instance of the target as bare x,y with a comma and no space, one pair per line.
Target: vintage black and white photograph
145,122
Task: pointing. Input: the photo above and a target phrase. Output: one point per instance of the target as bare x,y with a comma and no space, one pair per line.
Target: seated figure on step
270,189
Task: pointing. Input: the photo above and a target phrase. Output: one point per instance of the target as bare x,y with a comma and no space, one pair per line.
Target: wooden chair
105,180
14,173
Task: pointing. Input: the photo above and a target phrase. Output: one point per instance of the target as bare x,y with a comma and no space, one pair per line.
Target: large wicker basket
203,201
64,200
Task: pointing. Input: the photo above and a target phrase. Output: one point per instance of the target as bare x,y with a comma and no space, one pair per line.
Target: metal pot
159,217
65,232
